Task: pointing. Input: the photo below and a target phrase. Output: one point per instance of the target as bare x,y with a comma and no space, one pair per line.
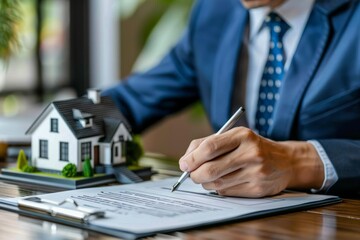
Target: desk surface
338,221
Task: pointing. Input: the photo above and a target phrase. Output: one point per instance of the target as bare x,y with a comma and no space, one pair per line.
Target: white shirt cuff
330,174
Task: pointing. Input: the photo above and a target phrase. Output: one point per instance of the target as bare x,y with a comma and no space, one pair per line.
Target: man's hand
241,163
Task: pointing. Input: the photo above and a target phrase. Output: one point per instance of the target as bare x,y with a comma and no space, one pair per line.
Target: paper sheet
152,207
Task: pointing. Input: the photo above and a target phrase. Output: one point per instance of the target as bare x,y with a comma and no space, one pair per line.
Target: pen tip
176,185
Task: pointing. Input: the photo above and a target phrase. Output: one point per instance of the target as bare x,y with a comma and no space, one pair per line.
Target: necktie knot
276,25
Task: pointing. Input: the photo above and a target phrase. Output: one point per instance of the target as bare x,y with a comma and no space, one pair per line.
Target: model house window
54,126
43,149
64,151
85,150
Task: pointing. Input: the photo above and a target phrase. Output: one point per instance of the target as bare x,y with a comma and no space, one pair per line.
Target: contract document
148,208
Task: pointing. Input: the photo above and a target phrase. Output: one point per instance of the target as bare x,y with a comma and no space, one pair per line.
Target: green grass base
55,175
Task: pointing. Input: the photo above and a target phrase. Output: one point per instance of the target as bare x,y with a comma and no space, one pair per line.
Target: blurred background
65,47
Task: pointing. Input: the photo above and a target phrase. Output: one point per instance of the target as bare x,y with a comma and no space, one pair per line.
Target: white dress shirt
256,43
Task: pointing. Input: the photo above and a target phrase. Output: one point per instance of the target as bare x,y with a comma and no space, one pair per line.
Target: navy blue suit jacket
319,98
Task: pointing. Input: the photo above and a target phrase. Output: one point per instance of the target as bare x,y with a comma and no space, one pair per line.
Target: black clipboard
81,222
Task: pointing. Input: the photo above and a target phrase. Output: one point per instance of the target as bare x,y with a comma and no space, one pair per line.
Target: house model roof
105,117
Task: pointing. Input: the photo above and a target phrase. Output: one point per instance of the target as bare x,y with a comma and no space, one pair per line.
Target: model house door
96,155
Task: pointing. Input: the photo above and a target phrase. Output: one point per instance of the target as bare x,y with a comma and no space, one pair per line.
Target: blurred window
39,67
20,73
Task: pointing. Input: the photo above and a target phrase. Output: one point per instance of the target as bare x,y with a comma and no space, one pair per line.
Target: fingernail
183,166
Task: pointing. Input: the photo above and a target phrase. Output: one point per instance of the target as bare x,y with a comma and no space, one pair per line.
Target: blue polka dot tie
273,74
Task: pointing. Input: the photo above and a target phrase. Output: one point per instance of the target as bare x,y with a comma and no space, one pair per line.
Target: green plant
69,170
134,151
28,169
9,18
21,160
87,169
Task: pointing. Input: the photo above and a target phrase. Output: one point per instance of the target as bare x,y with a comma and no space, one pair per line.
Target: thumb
193,145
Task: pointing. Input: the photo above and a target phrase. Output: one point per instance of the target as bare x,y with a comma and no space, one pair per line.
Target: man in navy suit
293,64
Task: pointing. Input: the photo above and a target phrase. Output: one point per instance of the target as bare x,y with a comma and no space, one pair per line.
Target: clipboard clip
57,209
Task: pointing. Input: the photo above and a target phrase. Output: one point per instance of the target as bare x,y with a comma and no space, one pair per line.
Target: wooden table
339,221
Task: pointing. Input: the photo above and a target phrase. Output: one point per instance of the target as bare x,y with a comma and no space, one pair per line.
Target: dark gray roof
110,127
101,112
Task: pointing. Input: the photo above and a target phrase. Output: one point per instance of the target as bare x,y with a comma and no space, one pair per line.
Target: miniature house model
72,130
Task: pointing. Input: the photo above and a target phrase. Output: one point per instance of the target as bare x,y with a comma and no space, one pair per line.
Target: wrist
307,167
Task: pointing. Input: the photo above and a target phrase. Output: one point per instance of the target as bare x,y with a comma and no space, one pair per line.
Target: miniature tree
87,169
21,160
134,151
69,170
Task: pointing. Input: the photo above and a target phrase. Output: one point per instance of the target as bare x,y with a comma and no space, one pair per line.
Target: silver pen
234,118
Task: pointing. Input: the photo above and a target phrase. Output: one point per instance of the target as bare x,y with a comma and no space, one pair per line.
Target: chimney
94,95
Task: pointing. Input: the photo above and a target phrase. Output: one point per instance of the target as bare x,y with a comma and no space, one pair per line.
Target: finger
252,189
240,174
210,148
193,145
220,167
232,179
227,166
249,190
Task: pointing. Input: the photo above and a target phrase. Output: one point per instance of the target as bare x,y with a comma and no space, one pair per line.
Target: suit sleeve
345,157
167,88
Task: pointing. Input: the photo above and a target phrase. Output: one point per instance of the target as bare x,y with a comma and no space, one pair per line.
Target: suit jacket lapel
306,59
225,67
